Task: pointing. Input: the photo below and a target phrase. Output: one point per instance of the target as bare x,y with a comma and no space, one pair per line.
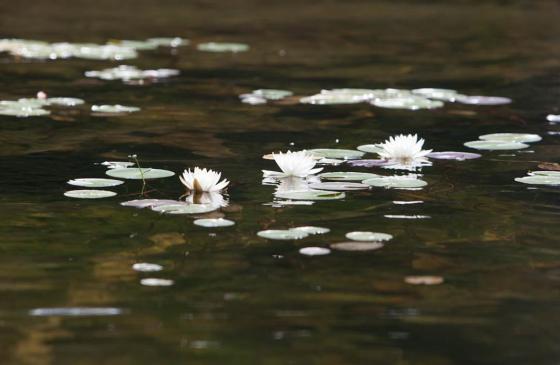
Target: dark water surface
240,299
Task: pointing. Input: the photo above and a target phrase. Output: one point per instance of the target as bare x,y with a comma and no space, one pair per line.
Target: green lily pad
168,41
511,137
214,222
314,251
114,109
338,186
347,176
65,101
539,180
311,230
272,94
282,234
223,47
546,173
23,112
336,153
311,195
184,208
495,145
89,194
397,182
368,236
95,183
407,102
370,148
357,246
139,174
438,94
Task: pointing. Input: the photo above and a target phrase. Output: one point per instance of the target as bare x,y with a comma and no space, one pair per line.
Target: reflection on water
470,277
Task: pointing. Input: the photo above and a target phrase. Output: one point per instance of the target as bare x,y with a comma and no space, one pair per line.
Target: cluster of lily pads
116,50
416,99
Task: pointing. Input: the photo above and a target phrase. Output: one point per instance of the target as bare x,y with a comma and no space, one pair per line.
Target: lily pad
272,94
310,195
139,174
495,145
338,186
314,251
89,194
23,112
156,282
282,234
184,208
407,102
117,164
368,236
252,99
65,101
114,109
95,183
338,96
370,163
370,148
397,182
546,173
438,94
511,137
145,203
450,155
539,180
357,246
214,222
311,230
347,176
483,100
146,267
337,153
223,47
168,41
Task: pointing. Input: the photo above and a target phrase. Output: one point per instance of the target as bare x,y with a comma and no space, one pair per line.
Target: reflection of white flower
293,183
298,164
403,149
214,199
203,180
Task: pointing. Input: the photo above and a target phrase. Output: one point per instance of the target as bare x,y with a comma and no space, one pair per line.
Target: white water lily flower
405,150
203,180
298,164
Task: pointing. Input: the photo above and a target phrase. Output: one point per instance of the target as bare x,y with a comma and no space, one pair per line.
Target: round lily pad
438,94
272,94
368,236
146,267
114,109
282,234
484,100
95,183
398,182
511,137
495,145
65,101
156,282
539,180
184,208
546,173
357,246
311,230
450,155
139,174
89,194
337,153
407,102
314,251
370,148
223,47
338,186
214,222
311,195
347,176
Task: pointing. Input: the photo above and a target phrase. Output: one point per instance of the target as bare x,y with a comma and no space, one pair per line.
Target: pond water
471,275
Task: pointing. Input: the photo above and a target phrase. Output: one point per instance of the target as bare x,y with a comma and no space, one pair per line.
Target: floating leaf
408,102
95,183
347,176
252,99
146,267
338,186
483,100
438,94
423,280
370,163
114,109
337,153
89,194
184,208
75,311
310,195
127,73
139,174
370,148
145,203
314,251
223,47
65,101
311,230
357,246
450,155
168,41
272,94
339,96
282,234
156,282
539,180
368,236
214,222
495,145
511,137
117,164
546,173
398,182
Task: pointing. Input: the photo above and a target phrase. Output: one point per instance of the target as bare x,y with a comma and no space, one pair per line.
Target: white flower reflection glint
214,199
297,164
203,180
405,152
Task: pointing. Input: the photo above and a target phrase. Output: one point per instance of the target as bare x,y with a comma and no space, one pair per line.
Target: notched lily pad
89,194
370,148
511,137
139,174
